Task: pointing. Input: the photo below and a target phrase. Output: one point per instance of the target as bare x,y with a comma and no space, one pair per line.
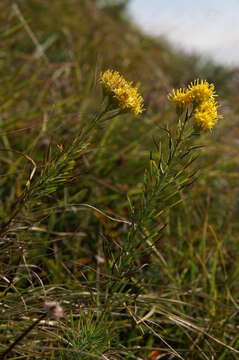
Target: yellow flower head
180,97
122,91
206,115
201,90
201,95
196,92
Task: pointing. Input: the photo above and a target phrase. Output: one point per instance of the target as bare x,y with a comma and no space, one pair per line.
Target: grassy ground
144,264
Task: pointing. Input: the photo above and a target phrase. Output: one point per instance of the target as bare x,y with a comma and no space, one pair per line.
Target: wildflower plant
119,289
98,255
59,168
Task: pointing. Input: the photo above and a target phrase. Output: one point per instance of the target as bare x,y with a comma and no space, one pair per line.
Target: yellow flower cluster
202,95
122,91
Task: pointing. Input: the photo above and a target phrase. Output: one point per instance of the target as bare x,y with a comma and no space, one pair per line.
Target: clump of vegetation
118,207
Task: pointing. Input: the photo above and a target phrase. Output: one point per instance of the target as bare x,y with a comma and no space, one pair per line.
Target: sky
210,27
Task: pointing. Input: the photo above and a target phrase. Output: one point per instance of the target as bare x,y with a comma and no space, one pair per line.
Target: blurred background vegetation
55,243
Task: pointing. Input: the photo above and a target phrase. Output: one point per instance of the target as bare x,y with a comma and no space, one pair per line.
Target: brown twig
22,335
39,47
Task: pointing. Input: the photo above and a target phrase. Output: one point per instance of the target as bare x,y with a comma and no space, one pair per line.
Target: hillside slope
99,217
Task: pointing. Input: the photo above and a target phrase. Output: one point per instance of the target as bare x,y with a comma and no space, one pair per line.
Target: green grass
103,214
